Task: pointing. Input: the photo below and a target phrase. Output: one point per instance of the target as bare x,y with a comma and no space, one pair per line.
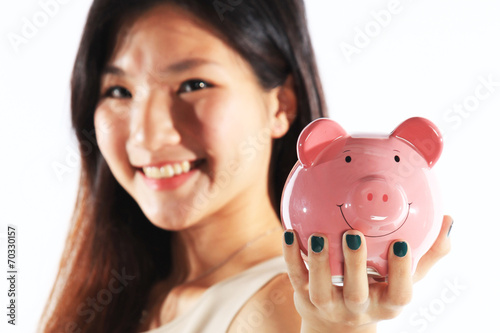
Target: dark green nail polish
317,243
288,238
353,241
448,235
400,249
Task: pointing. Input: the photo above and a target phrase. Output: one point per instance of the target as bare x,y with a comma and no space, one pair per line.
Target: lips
168,175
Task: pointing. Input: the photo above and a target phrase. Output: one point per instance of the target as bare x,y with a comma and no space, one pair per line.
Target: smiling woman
195,122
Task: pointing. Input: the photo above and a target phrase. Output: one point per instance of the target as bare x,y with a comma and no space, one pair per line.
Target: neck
235,232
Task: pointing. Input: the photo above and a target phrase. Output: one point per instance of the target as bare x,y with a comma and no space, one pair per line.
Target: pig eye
396,158
348,159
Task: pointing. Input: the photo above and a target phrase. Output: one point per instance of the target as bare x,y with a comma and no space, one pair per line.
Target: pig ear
422,135
315,137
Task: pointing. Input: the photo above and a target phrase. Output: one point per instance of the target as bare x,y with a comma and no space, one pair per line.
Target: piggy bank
380,185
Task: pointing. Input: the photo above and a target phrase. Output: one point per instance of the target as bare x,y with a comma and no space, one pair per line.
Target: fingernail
288,238
317,243
400,249
353,241
448,235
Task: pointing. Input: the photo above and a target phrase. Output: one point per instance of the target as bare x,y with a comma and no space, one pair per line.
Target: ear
286,110
423,136
315,137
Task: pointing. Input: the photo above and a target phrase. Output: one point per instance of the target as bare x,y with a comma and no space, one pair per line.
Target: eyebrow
171,69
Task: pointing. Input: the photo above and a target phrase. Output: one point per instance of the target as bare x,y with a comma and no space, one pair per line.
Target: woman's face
182,121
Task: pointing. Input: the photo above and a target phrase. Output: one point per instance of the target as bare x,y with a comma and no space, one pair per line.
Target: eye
348,159
396,158
193,85
117,92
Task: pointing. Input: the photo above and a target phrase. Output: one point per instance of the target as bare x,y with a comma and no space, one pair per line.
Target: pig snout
375,206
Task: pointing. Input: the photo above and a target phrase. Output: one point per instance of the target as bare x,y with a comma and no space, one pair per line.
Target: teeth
185,166
167,171
177,169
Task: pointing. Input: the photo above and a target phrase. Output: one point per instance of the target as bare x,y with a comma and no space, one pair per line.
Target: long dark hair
113,253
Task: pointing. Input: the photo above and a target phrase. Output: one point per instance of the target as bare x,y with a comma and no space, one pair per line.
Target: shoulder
271,309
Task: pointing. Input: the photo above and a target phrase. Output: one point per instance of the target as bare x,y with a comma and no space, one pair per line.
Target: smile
169,170
406,218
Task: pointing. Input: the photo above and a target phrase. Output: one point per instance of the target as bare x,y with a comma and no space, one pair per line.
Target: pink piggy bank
382,186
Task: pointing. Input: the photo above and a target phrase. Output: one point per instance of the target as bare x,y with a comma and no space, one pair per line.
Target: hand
358,305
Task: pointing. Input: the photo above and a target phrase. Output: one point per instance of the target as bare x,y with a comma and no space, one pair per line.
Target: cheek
236,136
231,118
111,135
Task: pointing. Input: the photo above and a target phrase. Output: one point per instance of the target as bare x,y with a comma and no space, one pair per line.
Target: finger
320,279
439,249
400,284
356,288
297,271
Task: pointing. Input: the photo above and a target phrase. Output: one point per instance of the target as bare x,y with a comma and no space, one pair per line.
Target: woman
187,114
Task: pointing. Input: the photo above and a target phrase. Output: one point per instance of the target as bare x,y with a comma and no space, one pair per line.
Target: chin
175,218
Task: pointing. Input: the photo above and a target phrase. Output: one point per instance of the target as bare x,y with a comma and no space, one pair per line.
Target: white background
428,59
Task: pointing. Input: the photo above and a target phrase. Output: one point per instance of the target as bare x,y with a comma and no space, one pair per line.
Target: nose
380,194
152,122
376,201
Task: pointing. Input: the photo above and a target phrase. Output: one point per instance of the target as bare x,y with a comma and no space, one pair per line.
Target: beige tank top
219,304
